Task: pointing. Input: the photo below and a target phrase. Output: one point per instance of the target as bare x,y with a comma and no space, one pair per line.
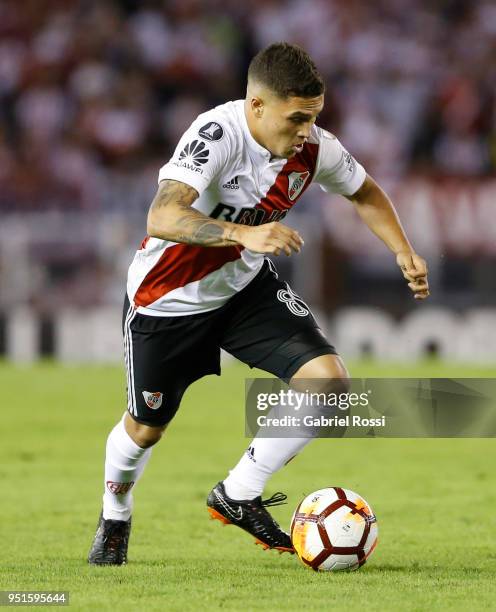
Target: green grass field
434,500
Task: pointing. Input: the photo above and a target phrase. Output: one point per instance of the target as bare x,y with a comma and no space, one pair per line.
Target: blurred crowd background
95,94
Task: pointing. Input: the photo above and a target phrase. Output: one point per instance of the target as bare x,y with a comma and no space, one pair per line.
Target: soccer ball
334,529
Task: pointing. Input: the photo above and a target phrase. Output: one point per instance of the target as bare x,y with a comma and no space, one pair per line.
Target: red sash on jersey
181,264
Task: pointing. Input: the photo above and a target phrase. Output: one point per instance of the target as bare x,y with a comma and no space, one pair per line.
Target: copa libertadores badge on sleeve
211,131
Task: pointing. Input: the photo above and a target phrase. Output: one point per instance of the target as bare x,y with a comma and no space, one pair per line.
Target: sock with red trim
124,464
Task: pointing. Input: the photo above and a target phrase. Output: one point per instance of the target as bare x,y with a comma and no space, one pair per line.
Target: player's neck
252,126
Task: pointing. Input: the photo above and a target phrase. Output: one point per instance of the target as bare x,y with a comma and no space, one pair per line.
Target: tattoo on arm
174,192
172,206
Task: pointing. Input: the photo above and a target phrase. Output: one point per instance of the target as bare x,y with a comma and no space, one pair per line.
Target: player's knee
329,378
328,384
325,374
141,434
147,436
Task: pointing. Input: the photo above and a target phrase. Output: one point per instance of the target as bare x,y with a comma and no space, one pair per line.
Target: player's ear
257,106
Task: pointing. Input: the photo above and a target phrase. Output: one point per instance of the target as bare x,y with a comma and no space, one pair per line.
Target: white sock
124,464
263,457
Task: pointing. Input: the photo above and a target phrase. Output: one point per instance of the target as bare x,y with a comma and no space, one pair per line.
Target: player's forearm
184,224
378,213
171,218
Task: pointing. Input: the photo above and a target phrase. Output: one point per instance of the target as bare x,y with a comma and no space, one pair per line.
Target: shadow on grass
185,567
427,569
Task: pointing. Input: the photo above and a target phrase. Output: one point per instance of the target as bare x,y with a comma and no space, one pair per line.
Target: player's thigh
270,327
163,356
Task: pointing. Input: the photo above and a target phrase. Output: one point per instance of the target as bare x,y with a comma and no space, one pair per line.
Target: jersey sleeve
201,153
337,170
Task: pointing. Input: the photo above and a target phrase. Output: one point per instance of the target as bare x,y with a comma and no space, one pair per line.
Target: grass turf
434,500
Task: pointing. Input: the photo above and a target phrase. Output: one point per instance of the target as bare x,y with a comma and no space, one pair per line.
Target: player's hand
414,269
273,238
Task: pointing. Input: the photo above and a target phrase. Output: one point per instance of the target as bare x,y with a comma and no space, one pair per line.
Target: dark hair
287,70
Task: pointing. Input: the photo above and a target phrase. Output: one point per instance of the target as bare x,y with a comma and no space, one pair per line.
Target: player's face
286,123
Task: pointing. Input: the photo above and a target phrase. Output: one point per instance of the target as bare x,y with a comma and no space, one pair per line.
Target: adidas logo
232,184
250,453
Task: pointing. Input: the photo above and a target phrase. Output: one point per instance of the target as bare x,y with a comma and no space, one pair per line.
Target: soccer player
200,282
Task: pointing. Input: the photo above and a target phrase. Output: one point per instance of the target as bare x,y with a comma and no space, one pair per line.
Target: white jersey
237,181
